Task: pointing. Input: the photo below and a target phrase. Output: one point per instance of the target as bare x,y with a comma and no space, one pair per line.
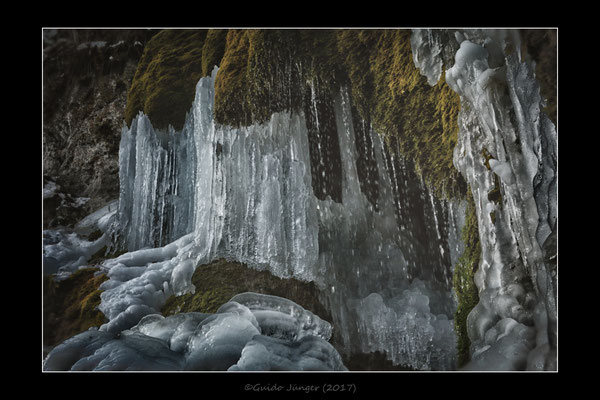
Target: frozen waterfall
246,194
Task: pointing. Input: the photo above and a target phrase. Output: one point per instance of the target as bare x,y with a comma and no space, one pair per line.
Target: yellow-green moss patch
165,80
70,305
421,120
213,49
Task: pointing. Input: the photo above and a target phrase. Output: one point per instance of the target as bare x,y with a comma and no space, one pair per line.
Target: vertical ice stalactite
152,211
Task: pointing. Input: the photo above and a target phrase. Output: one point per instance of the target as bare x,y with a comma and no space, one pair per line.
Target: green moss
463,282
213,50
70,306
273,84
422,119
388,90
265,71
165,80
231,84
216,283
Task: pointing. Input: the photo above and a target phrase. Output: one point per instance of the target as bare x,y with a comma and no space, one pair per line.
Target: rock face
86,76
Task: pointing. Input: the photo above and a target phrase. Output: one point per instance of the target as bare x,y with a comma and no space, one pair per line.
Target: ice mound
506,347
272,334
140,282
69,352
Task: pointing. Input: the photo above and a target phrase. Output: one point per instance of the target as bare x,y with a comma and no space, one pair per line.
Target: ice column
514,324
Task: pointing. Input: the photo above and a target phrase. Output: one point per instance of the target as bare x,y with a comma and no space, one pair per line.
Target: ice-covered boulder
271,333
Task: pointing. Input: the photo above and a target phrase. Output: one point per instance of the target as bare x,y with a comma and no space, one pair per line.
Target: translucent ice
100,219
282,318
233,338
503,170
218,341
419,338
426,49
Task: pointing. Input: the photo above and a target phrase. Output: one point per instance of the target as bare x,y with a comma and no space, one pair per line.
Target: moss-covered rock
213,49
265,71
70,306
262,71
464,285
165,80
389,91
231,84
216,283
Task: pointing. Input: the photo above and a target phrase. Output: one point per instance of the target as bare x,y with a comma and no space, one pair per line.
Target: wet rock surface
86,76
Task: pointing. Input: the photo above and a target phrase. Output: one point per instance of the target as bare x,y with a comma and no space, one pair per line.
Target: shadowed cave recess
335,199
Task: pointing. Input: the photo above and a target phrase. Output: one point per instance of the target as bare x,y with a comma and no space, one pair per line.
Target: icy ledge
514,325
250,332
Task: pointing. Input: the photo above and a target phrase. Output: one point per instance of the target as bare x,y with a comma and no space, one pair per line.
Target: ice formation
272,334
65,251
248,196
514,325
